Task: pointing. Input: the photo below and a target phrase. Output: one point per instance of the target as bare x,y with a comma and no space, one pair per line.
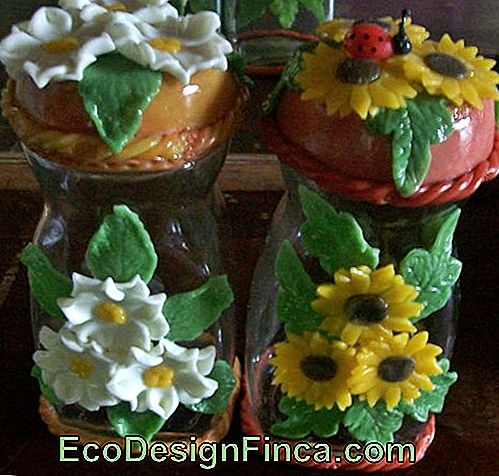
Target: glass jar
179,209
268,37
395,232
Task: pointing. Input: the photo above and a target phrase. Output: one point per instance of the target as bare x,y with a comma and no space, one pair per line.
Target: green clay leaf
303,419
47,392
287,79
445,236
181,5
125,422
433,273
425,121
115,93
296,294
431,401
432,226
249,11
190,314
316,7
372,424
285,11
45,282
237,64
224,374
121,248
334,237
496,108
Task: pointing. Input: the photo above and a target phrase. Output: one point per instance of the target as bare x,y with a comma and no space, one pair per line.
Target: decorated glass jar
382,133
125,111
267,33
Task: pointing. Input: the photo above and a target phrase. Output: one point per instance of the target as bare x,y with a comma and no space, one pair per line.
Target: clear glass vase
266,37
179,209
395,232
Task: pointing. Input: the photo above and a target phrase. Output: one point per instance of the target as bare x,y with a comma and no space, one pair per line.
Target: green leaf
431,400
121,248
434,273
335,238
181,5
296,294
425,121
237,63
303,419
125,422
45,282
287,79
224,374
432,226
249,11
496,108
115,92
47,392
372,424
190,314
285,11
316,7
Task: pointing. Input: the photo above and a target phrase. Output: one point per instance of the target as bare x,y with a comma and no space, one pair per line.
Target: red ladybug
369,41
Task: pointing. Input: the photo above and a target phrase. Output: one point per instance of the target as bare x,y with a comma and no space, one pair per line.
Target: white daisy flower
114,316
52,46
151,11
75,374
180,46
161,379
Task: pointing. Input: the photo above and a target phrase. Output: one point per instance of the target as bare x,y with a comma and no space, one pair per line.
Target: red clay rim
379,193
250,426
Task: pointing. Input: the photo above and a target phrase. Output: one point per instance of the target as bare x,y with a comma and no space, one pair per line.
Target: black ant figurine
401,43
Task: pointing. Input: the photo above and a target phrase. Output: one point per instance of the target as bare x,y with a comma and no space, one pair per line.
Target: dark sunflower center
396,369
446,65
366,308
358,71
319,367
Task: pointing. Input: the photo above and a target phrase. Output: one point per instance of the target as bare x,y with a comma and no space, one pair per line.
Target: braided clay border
251,427
379,193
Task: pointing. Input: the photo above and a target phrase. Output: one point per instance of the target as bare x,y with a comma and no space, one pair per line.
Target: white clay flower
180,46
52,46
161,379
114,316
75,374
151,11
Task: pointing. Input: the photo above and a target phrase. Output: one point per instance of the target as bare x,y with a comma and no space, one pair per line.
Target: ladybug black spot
374,49
380,38
360,47
366,36
352,36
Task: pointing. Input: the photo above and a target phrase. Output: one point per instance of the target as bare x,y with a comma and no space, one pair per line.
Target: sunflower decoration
360,76
395,368
313,368
453,70
363,304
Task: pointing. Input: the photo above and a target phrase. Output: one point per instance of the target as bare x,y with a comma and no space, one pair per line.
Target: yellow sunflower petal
417,343
392,396
360,100
470,94
351,333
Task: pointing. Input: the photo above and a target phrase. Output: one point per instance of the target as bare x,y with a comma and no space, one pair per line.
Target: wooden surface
467,438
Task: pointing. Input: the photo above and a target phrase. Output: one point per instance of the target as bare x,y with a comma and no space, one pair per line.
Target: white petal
82,284
48,338
195,385
68,388
146,359
80,308
126,384
156,14
163,402
110,289
198,28
50,23
76,4
206,360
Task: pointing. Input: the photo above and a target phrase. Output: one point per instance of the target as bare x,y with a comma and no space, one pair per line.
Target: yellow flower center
366,309
166,44
160,376
396,369
61,45
116,7
319,368
108,311
80,367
